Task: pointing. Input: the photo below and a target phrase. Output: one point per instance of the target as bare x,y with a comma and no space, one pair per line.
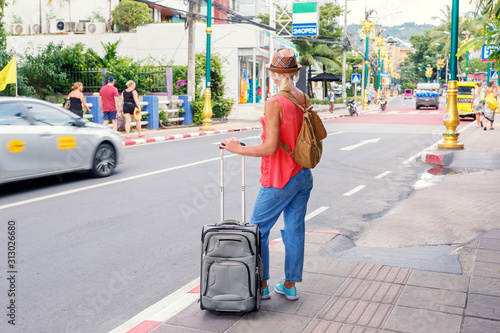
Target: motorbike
351,107
383,104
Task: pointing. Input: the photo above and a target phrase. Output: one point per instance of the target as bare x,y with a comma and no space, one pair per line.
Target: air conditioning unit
95,28
36,29
21,29
57,26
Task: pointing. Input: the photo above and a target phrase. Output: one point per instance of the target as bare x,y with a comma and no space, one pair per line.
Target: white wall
29,10
165,42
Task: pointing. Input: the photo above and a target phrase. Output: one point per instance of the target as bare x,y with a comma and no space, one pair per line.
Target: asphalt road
95,252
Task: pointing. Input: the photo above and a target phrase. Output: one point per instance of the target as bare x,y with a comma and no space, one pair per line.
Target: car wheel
104,161
418,107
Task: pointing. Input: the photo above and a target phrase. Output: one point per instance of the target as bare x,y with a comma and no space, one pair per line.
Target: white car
38,139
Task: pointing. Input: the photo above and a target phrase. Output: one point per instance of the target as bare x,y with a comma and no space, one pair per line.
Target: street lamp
366,32
380,41
451,119
446,78
207,106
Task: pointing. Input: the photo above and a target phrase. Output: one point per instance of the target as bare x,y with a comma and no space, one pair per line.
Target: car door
62,141
20,147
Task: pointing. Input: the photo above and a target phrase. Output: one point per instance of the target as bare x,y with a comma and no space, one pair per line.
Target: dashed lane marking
354,190
316,212
383,174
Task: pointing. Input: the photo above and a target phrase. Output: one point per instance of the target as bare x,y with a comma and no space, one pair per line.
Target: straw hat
284,61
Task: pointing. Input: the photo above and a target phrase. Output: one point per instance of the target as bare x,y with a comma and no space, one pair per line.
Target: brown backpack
308,147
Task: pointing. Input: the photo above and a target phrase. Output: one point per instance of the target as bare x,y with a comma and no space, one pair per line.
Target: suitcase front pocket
228,245
228,280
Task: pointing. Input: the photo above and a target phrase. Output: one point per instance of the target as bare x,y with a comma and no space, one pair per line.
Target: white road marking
163,309
392,112
362,143
336,133
413,112
316,212
117,181
414,157
351,192
434,112
383,174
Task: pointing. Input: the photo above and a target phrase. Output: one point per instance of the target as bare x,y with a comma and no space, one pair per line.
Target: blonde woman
285,185
77,99
477,103
130,101
489,113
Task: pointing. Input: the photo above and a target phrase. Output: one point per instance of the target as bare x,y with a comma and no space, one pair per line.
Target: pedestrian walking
130,101
331,98
109,103
285,185
477,103
77,100
491,104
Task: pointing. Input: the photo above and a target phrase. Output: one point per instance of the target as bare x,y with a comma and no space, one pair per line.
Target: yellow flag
8,74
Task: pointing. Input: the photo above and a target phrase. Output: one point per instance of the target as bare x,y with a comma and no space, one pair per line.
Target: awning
326,77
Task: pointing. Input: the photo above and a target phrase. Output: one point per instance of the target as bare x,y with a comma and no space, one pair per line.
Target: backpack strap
284,146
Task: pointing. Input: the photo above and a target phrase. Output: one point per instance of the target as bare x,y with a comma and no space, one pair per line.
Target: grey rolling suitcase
231,269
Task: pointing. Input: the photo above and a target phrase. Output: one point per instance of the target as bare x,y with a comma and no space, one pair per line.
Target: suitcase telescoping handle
222,188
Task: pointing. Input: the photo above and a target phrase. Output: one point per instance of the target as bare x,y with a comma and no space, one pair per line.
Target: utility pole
344,51
191,18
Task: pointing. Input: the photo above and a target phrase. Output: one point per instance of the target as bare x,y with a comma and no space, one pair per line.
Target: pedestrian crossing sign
493,75
355,78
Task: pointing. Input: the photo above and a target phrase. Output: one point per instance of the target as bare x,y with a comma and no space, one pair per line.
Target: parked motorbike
351,107
383,104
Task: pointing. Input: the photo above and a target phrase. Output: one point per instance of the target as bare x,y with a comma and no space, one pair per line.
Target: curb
185,135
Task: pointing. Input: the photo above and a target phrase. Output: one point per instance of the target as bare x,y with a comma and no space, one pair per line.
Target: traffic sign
486,51
493,75
355,78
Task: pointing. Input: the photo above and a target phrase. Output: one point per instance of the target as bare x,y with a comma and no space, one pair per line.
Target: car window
45,115
465,90
12,114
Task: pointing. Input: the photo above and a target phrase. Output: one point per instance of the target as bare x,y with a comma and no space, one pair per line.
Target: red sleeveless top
276,170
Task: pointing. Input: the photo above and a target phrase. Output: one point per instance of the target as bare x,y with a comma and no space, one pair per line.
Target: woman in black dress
77,99
130,101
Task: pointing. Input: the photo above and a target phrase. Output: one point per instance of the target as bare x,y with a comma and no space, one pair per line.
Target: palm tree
315,53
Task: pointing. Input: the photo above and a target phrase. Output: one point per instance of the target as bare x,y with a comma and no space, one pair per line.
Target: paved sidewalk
349,293
344,296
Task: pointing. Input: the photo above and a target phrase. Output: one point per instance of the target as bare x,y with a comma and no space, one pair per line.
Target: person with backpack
285,184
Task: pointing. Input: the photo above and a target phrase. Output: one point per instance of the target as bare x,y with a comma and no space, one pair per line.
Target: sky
396,12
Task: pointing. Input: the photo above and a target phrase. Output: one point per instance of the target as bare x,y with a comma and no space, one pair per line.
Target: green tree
130,14
221,106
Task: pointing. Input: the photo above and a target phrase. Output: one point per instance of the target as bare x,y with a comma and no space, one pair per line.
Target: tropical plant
221,106
130,14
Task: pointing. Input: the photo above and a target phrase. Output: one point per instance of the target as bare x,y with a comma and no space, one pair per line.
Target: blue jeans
292,201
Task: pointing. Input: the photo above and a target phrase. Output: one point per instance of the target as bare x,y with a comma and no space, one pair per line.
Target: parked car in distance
38,139
464,99
408,93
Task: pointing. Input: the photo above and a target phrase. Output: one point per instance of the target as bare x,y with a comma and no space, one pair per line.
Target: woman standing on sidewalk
285,185
130,101
489,113
77,99
477,103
